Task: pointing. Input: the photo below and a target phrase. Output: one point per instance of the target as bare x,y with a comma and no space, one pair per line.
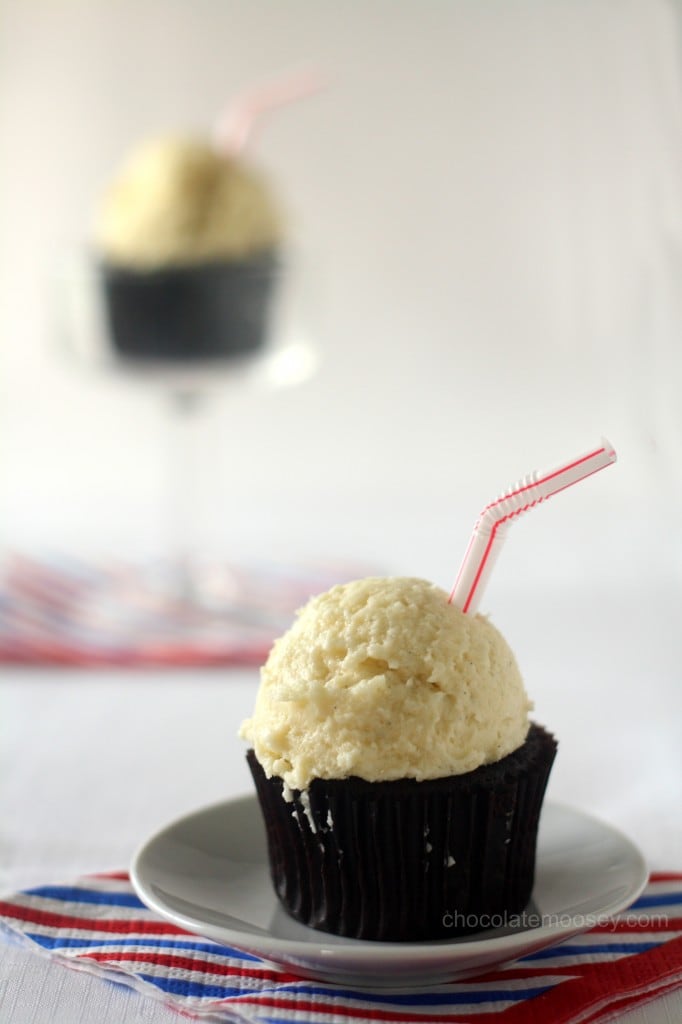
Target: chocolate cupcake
398,775
188,245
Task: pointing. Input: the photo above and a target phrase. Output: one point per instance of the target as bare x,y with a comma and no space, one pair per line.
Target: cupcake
398,774
188,242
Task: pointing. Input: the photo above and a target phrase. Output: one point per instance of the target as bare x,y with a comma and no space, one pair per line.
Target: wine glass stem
184,407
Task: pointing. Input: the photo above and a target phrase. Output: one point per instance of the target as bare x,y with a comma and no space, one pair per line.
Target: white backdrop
489,197
489,200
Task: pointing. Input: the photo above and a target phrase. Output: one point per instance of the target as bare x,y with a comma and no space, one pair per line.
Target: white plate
208,873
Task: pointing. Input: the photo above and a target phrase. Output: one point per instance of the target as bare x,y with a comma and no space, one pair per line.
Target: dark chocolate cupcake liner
407,860
211,310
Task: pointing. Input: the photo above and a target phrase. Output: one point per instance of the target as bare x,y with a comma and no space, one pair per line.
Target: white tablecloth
93,762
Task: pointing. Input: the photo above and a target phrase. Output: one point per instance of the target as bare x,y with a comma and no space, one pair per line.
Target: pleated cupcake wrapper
408,860
214,309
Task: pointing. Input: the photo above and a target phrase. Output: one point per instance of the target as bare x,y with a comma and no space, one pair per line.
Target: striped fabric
61,610
98,924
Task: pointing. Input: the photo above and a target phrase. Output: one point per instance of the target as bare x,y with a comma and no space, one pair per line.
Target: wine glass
184,369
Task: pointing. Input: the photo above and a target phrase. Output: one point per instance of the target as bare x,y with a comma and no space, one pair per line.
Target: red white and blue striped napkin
98,924
64,610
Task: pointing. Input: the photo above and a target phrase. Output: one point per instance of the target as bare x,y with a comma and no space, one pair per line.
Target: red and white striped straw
236,126
493,522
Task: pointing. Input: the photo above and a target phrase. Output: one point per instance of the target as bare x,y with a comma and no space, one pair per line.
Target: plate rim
381,952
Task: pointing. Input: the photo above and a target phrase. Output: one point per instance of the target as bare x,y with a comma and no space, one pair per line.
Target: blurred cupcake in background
189,238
